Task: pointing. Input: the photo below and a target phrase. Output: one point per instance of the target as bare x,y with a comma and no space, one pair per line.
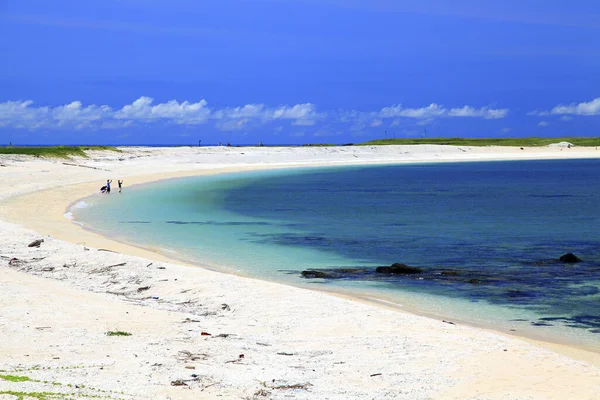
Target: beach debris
178,382
205,334
377,374
39,328
160,268
149,265
143,288
186,356
225,307
239,359
281,353
569,258
36,243
189,367
110,251
15,262
295,386
223,335
107,268
189,320
261,393
448,322
263,344
85,166
48,269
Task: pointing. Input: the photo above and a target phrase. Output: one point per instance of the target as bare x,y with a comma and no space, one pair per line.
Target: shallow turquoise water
486,234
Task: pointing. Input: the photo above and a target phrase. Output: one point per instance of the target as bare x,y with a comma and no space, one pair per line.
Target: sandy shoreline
334,342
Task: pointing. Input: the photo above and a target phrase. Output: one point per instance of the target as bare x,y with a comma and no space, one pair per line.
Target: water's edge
365,296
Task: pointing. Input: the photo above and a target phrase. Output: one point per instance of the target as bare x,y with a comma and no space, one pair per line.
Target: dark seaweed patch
215,223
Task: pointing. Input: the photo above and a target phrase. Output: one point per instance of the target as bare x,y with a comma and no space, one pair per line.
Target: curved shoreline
535,335
68,230
50,220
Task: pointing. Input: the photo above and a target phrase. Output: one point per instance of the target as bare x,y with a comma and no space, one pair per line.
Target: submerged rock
315,274
335,273
569,258
399,269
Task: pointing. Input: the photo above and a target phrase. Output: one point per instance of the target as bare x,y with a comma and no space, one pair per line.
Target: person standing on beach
120,182
108,182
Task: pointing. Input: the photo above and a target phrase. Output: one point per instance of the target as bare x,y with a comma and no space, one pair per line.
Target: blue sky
296,71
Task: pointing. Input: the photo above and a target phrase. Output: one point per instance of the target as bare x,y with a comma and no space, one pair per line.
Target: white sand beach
197,333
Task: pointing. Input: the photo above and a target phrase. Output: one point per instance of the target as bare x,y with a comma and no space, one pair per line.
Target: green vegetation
117,333
15,378
517,142
54,151
74,391
34,395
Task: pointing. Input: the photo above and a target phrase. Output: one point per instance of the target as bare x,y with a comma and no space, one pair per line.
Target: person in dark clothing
108,182
120,182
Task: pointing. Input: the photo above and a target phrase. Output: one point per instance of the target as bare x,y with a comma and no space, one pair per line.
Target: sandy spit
197,333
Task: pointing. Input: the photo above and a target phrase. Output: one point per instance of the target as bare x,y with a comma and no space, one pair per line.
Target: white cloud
589,108
304,122
566,118
181,113
232,125
543,123
483,112
75,115
432,110
23,114
506,130
538,113
435,111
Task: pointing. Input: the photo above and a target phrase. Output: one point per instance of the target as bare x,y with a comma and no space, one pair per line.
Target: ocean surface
487,236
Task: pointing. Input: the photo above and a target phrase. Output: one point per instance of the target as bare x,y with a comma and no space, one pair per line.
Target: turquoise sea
486,235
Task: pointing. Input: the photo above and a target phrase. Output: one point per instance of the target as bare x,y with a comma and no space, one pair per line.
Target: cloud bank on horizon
26,115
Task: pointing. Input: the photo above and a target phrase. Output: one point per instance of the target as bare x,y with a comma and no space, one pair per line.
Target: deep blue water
487,235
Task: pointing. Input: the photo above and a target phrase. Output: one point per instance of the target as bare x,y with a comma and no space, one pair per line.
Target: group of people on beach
106,188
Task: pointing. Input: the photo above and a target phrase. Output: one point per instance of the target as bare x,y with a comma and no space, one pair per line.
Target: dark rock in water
570,258
540,324
587,290
350,270
36,243
519,294
474,281
337,273
450,273
399,269
315,274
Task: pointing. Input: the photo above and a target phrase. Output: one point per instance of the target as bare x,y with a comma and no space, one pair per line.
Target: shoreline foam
31,211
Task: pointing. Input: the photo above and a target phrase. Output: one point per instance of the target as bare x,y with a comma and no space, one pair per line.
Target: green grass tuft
15,378
118,333
54,151
516,142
